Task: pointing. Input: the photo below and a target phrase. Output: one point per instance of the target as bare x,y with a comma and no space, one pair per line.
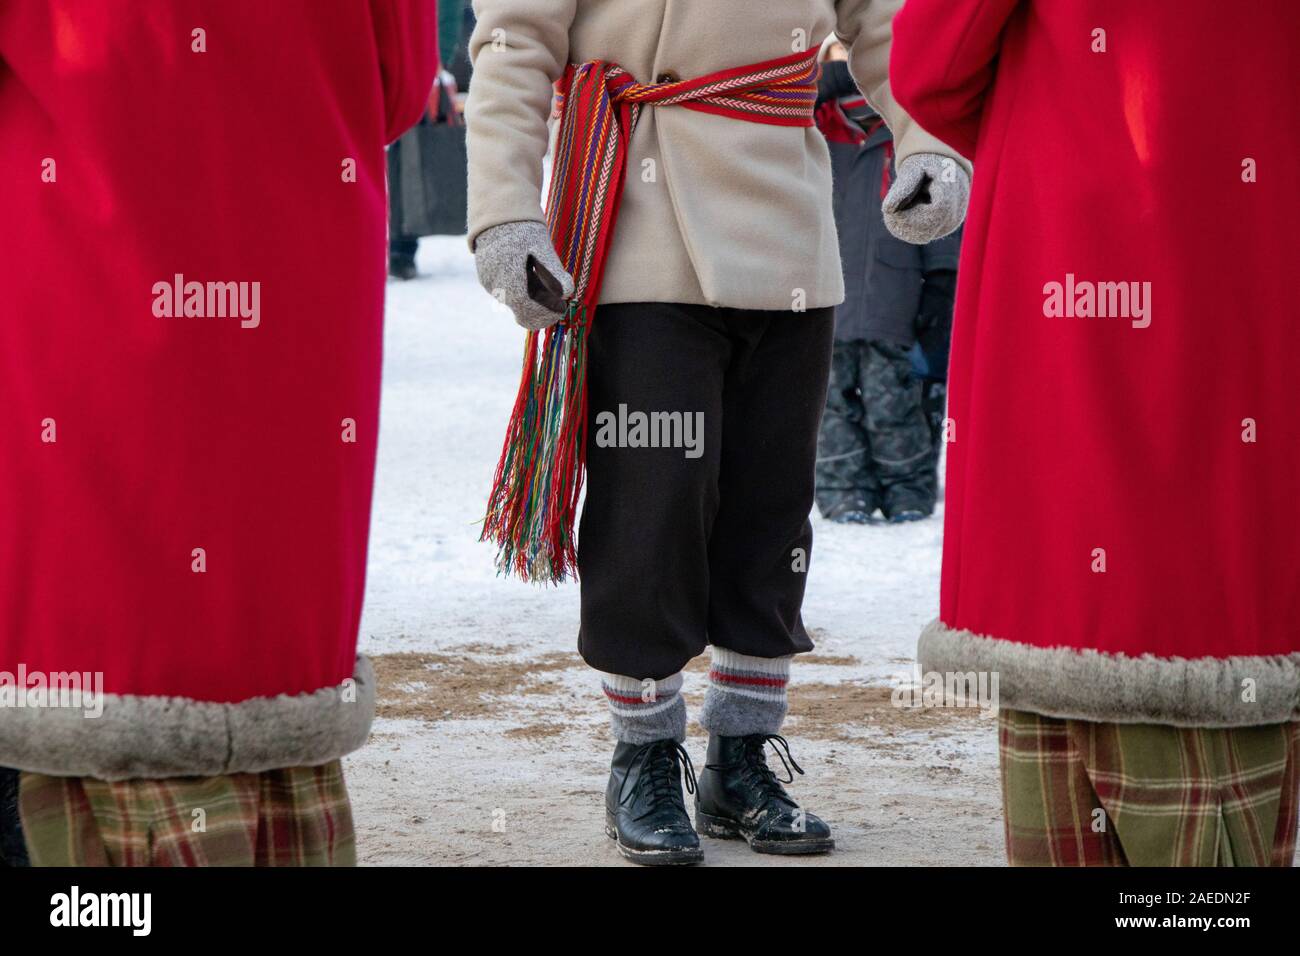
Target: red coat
1122,533
214,142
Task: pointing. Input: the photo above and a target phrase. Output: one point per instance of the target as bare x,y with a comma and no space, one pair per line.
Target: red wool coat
180,513
1122,534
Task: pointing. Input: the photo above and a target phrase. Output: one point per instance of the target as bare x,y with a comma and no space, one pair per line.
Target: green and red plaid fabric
1080,793
298,816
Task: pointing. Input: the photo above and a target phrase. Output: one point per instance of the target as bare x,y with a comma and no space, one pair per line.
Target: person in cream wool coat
718,293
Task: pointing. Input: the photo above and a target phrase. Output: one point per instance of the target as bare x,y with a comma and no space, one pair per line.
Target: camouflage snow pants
876,447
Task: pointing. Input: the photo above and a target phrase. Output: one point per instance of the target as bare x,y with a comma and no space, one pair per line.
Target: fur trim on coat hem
153,737
1114,688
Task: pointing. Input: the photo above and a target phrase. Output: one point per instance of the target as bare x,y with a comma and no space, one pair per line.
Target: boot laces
659,771
753,764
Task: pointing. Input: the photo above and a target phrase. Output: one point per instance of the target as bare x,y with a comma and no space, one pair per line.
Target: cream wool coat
716,211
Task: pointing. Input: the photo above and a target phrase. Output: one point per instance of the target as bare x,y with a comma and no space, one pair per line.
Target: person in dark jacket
402,246
407,188
455,22
454,31
881,430
930,353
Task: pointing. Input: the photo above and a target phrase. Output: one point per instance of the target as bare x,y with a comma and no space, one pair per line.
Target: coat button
666,78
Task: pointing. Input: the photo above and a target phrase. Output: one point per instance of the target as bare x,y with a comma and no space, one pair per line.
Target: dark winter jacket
885,278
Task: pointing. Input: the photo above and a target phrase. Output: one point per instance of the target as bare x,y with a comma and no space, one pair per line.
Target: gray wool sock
643,711
746,694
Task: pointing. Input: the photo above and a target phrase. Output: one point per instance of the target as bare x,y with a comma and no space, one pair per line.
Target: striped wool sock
746,695
642,711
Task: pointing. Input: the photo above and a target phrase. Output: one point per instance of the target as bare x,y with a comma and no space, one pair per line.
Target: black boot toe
793,832
644,810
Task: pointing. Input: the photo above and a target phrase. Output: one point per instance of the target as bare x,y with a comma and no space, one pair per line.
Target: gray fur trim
155,737
949,195
1115,688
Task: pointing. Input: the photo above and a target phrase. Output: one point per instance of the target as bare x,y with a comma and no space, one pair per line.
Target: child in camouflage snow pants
879,439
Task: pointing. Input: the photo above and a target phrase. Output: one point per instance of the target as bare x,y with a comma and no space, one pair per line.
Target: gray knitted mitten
928,198
502,254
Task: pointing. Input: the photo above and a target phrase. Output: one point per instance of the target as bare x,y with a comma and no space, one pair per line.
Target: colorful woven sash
538,481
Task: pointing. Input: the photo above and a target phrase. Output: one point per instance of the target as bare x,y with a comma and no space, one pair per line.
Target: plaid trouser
1079,793
299,816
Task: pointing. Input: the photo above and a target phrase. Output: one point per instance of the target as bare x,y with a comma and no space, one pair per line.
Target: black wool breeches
702,439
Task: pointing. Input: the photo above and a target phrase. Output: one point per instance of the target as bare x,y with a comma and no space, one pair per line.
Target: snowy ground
492,744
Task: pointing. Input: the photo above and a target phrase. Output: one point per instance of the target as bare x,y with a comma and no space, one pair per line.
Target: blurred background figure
878,448
455,26
427,178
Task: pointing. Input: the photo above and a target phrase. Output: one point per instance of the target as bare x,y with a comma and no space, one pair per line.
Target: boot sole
682,857
720,828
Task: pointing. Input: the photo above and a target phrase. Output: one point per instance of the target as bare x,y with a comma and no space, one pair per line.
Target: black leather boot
644,809
739,796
